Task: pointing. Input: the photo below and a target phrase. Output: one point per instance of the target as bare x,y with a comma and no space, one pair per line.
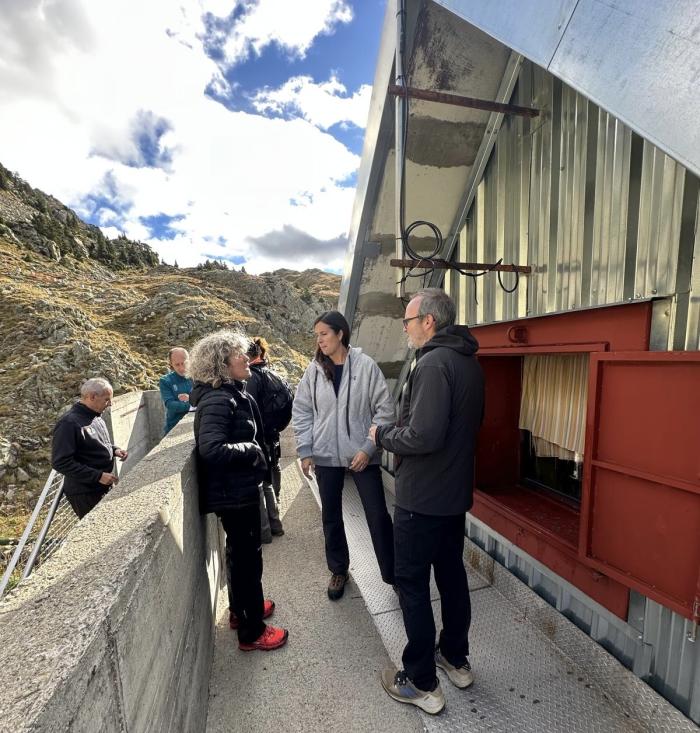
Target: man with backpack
274,399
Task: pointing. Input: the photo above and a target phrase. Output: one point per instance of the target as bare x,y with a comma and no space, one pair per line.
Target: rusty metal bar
444,265
459,101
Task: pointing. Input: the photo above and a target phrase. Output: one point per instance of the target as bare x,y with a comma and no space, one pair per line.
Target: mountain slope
68,315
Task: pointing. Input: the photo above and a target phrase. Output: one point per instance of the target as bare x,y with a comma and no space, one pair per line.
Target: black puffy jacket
230,461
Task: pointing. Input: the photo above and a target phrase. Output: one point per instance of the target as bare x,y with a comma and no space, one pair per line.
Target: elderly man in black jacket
82,449
434,442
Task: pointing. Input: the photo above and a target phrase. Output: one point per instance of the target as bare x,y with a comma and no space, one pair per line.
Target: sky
209,129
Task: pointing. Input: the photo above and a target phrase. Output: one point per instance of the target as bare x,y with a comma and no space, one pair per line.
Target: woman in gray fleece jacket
341,394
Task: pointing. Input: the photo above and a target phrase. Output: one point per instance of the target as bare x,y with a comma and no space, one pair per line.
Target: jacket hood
458,338
201,389
353,351
198,391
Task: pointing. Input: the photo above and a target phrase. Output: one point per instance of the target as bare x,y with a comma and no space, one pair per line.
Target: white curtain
553,404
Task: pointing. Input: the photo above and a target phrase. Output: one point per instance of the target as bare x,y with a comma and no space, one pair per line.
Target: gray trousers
269,513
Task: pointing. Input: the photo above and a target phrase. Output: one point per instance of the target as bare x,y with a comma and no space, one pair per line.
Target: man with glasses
434,442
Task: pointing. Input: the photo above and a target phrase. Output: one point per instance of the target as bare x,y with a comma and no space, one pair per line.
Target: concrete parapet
115,632
135,422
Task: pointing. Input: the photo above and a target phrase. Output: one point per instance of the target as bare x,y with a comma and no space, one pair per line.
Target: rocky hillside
39,222
74,304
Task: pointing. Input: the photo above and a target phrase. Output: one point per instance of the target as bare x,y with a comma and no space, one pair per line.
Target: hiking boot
336,585
401,689
272,638
268,609
459,676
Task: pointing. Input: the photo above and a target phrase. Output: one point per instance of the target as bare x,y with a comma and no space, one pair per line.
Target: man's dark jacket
82,450
441,413
230,461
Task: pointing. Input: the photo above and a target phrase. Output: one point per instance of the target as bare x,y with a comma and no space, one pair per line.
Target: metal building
588,467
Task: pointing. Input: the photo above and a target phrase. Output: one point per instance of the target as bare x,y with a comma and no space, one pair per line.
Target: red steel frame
599,331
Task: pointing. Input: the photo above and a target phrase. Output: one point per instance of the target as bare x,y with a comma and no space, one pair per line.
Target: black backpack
276,399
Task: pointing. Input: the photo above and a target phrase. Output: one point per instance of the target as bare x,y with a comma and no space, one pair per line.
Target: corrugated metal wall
603,217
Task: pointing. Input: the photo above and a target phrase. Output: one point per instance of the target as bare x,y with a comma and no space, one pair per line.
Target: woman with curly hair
231,465
342,393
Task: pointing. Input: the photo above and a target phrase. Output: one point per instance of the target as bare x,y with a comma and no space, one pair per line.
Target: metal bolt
653,292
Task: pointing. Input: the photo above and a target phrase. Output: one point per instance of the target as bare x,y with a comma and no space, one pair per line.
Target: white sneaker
401,689
459,676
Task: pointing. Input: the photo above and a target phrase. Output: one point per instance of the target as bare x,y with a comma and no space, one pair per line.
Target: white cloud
292,25
103,106
323,104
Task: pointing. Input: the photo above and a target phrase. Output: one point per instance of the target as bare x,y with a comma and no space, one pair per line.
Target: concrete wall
116,632
135,422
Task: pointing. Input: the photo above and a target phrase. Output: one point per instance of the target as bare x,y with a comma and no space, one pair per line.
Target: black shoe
336,585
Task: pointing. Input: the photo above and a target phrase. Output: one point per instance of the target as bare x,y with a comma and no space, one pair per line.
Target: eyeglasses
406,321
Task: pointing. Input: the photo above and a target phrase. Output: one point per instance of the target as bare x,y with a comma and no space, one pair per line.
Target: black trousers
422,541
84,503
244,566
330,481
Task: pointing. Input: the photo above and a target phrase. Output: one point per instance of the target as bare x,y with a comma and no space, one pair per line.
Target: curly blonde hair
209,356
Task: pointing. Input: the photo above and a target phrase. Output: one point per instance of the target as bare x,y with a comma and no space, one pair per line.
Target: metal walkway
535,671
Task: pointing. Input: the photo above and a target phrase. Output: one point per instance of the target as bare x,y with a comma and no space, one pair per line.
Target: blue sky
230,129
349,52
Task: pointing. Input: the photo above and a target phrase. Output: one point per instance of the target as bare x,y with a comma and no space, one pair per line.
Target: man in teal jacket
175,389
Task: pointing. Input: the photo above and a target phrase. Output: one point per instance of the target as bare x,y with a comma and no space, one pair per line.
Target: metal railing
49,525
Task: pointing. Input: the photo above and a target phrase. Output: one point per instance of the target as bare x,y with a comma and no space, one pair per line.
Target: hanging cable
405,231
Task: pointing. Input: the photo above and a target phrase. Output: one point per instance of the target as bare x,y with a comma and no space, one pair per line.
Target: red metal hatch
640,510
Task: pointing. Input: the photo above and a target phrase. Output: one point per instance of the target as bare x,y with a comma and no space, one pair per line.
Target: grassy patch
12,527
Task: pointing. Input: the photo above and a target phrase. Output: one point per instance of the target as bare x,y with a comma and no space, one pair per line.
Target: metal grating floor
524,681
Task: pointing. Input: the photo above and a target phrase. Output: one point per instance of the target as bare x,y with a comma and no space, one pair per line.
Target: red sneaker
268,609
272,638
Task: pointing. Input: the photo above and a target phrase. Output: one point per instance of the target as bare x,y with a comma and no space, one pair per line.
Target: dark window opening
556,476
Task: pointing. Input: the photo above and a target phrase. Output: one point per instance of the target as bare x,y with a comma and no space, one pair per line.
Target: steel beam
443,98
